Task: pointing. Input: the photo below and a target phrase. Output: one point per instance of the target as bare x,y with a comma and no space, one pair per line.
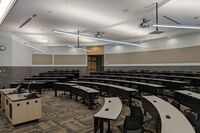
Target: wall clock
2,47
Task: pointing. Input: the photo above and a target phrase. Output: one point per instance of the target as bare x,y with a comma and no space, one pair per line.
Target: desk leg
145,112
179,106
140,92
130,100
109,131
40,90
101,126
76,98
96,124
198,116
56,91
70,95
83,101
90,102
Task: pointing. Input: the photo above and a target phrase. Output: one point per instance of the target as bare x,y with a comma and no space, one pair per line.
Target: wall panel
42,59
70,59
181,55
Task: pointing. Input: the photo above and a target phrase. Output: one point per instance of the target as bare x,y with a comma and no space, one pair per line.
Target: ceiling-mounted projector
145,23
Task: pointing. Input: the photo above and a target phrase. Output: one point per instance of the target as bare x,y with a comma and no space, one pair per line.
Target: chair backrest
198,127
136,115
165,98
192,118
136,112
175,104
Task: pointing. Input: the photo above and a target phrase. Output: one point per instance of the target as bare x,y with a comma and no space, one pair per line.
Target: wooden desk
86,93
193,80
170,84
141,86
117,90
110,111
31,85
62,86
19,109
3,93
190,94
172,120
189,99
46,78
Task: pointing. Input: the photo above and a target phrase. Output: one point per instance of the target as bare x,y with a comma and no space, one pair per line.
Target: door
95,63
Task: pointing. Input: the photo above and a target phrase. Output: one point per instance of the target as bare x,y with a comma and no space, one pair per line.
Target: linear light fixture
177,26
96,38
35,47
5,7
82,49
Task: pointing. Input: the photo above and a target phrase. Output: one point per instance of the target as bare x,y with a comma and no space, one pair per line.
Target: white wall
16,53
65,50
6,56
21,54
186,40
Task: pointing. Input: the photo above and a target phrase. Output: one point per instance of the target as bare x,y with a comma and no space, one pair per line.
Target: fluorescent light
177,26
96,38
35,47
82,49
5,7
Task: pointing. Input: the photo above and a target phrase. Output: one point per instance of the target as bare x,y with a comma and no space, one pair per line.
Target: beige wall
70,59
181,55
42,59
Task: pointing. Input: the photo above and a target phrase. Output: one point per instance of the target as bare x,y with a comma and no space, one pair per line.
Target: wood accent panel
42,59
69,59
96,50
181,55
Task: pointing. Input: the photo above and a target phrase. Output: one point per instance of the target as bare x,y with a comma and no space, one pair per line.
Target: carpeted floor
62,115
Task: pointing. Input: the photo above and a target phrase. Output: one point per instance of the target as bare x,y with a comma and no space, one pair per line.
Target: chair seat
133,123
135,131
140,130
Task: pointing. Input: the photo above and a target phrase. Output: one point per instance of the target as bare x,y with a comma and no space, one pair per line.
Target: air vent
196,18
27,21
171,19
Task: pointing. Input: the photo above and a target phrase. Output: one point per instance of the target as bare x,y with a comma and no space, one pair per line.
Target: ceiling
118,19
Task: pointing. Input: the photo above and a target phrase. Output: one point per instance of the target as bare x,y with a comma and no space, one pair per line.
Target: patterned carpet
61,115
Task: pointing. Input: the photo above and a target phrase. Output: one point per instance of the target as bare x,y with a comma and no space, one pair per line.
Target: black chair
175,104
134,122
165,98
198,127
191,118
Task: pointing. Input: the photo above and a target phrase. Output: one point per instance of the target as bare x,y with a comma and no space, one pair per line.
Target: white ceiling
118,19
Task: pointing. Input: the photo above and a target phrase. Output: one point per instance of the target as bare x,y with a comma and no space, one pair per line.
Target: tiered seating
46,79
